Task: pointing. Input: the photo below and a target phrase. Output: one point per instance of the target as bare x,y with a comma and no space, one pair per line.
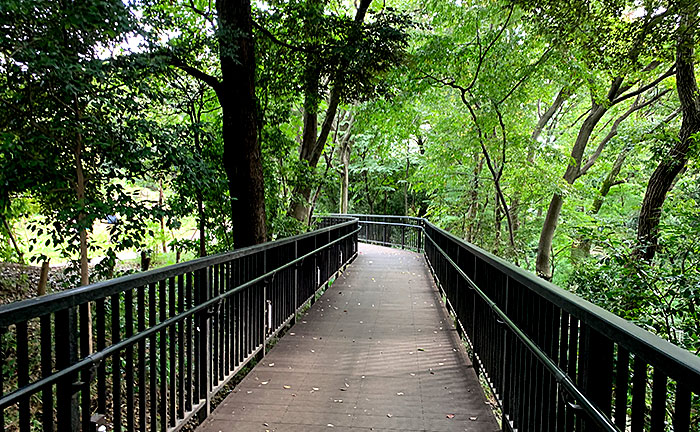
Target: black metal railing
393,231
148,351
554,361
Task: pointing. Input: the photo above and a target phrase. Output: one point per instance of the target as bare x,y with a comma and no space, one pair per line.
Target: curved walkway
376,352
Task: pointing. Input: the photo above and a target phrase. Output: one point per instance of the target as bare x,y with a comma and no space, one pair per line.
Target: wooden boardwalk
376,352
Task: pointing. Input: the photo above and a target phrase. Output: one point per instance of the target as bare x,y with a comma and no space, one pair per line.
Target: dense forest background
561,136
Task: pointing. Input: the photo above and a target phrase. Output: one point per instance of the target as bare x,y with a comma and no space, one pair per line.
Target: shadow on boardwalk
376,352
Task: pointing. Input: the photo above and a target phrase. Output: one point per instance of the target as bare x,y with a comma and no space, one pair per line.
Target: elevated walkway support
376,352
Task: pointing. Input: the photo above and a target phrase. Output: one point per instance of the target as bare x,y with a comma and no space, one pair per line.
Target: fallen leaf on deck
271,365
399,394
449,416
473,418
287,387
389,415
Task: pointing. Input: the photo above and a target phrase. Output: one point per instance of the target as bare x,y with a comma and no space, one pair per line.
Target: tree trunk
242,157
549,226
544,248
162,219
202,225
583,249
11,235
663,177
80,188
312,146
473,208
345,151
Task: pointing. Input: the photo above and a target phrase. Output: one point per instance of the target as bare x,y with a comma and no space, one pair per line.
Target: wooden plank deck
376,352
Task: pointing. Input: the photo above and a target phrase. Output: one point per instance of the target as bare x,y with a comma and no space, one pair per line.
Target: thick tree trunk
242,156
662,179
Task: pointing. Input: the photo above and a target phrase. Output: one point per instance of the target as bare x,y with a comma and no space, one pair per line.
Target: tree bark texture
236,93
313,145
549,226
663,177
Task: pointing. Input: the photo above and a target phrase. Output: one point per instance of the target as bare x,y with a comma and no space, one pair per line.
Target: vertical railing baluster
203,322
66,348
129,358
621,386
189,283
22,364
3,332
172,365
85,374
47,411
639,385
681,413
116,365
163,356
141,326
658,401
181,370
101,335
153,357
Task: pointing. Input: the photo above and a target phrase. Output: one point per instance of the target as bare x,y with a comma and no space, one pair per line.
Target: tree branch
277,41
210,80
482,57
613,130
670,72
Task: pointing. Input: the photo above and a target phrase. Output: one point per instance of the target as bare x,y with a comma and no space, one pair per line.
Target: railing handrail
36,307
96,357
361,215
560,376
652,348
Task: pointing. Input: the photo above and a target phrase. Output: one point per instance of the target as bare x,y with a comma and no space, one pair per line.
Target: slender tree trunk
549,226
370,201
474,199
583,249
80,188
202,225
162,219
664,176
11,235
345,151
312,146
236,93
405,186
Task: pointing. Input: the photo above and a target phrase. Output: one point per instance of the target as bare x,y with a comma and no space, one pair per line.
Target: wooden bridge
376,352
382,349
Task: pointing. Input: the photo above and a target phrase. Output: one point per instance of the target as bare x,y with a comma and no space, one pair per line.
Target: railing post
68,416
403,236
296,282
203,357
420,237
597,371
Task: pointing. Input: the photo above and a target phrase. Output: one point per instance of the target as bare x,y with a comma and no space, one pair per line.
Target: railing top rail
360,215
15,396
675,360
36,307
